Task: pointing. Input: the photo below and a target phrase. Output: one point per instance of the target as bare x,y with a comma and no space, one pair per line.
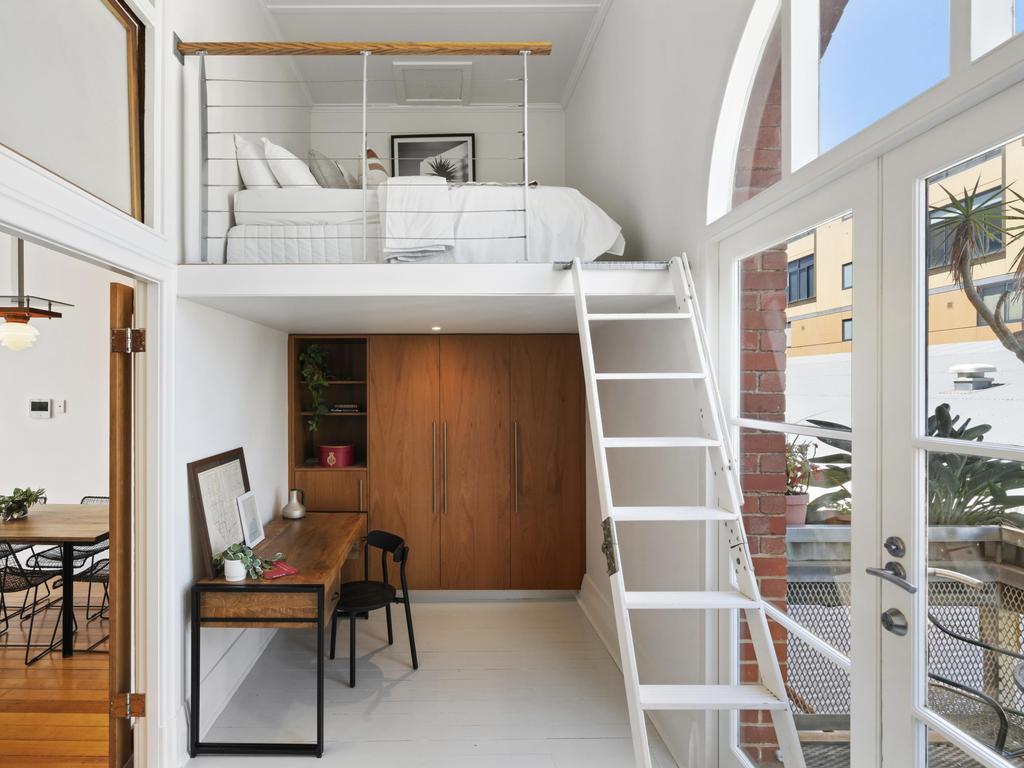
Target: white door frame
856,193
904,301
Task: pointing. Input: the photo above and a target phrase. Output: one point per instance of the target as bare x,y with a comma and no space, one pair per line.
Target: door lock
894,621
894,546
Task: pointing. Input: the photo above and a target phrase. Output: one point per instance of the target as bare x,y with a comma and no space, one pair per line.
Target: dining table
63,525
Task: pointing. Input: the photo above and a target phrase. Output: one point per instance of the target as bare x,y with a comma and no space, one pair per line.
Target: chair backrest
387,543
94,500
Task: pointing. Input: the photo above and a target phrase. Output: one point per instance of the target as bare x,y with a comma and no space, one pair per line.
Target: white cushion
351,181
328,174
253,165
376,173
288,169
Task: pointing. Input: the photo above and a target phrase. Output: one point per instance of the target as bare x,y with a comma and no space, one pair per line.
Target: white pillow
327,172
252,164
288,169
350,181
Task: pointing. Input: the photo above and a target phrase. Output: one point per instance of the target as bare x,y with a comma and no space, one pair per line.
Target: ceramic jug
295,508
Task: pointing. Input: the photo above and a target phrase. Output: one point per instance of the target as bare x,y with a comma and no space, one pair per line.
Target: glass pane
943,754
1018,17
798,514
759,156
975,345
796,348
876,55
976,597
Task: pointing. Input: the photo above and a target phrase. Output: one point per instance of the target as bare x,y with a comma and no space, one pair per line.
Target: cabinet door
548,467
333,490
477,453
404,450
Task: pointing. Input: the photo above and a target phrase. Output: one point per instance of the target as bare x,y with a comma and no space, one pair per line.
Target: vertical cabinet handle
515,466
444,480
361,507
433,465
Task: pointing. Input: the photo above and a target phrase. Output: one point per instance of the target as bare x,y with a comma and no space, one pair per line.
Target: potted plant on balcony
798,477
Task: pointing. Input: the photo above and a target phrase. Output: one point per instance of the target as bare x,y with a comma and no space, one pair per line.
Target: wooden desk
64,525
318,546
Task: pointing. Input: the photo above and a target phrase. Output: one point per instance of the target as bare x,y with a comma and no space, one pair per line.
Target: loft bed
252,198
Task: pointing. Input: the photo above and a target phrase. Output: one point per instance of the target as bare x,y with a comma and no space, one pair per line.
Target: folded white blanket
416,214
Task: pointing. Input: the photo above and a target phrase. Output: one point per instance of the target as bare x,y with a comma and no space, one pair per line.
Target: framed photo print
451,156
249,515
214,485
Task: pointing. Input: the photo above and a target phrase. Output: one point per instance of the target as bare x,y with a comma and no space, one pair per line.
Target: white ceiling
570,26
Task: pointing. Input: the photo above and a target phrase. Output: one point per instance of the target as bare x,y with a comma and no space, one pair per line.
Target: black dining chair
15,577
361,597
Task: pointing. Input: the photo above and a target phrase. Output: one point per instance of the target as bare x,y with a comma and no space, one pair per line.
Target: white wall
498,138
80,133
639,132
231,390
640,124
67,454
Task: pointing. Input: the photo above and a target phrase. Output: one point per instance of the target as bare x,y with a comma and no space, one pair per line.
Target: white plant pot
234,570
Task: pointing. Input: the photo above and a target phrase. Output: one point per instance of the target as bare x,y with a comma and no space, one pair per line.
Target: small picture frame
249,515
452,156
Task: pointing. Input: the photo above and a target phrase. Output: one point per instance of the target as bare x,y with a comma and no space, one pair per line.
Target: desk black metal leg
68,600
320,673
193,720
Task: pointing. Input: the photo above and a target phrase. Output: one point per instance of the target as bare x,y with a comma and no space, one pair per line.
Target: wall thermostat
40,409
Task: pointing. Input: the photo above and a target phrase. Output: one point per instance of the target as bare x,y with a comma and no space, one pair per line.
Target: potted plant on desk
16,505
239,560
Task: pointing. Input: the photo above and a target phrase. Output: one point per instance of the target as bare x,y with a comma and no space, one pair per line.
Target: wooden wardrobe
476,455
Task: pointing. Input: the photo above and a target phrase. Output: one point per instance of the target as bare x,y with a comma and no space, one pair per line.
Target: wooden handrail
356,48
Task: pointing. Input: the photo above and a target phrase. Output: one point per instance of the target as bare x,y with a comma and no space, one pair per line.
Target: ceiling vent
433,83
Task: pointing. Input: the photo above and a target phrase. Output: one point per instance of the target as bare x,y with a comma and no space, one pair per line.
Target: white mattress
481,224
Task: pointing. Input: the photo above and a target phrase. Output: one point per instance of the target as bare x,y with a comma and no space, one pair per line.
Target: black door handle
894,574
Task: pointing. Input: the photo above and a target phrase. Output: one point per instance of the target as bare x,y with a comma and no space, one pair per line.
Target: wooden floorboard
55,712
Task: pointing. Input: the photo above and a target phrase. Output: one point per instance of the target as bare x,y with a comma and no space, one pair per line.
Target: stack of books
346,408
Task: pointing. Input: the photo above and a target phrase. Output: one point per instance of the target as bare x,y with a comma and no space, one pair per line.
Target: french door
952,447
852,345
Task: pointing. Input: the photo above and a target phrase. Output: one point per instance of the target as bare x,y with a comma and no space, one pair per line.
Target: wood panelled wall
475,455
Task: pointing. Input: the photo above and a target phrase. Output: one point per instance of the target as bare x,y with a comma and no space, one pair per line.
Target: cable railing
443,207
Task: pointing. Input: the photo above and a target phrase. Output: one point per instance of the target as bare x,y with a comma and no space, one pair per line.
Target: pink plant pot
335,456
796,509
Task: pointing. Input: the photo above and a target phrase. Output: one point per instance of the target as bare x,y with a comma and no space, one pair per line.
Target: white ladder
770,694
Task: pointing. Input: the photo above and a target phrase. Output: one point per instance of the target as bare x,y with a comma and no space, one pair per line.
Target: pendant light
15,332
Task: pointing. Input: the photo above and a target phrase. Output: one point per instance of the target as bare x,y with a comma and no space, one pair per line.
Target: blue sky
882,54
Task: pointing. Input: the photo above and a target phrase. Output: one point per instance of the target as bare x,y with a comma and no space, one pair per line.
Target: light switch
60,407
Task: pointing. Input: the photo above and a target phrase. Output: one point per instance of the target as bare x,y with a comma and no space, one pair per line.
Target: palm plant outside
970,221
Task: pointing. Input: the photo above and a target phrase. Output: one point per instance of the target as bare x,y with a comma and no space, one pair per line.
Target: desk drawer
253,608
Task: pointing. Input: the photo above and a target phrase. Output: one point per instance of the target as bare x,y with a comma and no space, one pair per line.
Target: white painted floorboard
504,684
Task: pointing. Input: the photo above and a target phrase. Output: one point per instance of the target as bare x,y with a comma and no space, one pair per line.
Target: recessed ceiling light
436,328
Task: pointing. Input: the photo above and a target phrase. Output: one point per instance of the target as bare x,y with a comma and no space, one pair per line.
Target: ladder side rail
623,625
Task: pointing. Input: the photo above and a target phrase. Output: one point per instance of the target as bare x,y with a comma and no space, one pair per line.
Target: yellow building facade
820,309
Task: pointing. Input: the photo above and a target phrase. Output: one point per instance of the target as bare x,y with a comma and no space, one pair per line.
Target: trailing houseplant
798,477
313,362
962,490
254,564
17,503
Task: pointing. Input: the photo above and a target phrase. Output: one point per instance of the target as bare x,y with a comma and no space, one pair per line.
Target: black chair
361,597
14,577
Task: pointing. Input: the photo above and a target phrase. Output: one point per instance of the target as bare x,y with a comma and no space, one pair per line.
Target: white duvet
427,220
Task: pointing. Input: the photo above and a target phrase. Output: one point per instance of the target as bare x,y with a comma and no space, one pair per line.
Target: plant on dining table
17,503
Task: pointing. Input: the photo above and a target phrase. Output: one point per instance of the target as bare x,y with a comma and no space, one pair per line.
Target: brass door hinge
128,341
128,705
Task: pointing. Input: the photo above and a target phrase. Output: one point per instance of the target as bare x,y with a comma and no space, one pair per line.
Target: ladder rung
709,697
670,514
647,376
610,317
658,442
707,601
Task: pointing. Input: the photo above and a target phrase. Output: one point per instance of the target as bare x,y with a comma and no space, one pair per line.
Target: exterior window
848,275
801,279
940,239
848,329
1013,306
